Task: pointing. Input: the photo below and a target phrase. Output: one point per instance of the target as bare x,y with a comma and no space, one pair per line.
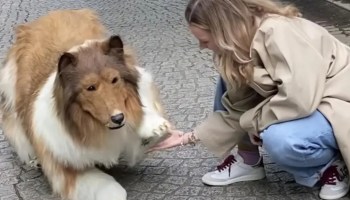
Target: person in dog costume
284,84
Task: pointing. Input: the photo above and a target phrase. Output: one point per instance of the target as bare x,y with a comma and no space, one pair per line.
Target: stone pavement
156,28
341,3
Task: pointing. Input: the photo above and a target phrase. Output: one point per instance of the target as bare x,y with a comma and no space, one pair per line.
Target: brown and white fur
74,98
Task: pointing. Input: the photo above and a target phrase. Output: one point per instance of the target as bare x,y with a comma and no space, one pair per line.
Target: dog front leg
94,184
89,184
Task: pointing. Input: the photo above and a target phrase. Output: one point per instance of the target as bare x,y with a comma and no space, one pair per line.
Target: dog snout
118,119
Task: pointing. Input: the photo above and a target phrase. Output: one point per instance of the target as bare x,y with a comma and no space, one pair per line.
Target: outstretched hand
176,138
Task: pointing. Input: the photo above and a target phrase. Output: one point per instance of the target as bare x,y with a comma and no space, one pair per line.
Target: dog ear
67,59
113,46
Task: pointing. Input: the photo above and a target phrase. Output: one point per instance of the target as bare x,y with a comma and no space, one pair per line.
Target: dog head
97,78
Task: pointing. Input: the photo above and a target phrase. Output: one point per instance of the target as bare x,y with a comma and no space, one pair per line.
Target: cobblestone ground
156,28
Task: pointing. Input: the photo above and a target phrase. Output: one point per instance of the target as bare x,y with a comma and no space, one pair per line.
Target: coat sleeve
299,71
220,132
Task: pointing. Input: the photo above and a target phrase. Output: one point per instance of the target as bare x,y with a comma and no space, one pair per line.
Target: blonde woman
285,85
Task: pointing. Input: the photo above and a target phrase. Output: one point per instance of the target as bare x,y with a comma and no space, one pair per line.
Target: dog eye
91,88
115,79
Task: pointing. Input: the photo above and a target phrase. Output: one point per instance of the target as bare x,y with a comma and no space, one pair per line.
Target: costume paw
161,129
33,162
153,126
158,133
96,185
111,191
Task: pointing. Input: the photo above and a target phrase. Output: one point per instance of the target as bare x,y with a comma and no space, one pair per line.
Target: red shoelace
227,163
330,176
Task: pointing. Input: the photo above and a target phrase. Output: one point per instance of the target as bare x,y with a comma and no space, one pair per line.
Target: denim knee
305,142
278,144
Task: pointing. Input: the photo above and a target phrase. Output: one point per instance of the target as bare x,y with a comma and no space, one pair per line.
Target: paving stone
153,178
9,197
155,170
188,191
151,162
212,191
7,191
240,190
166,188
32,174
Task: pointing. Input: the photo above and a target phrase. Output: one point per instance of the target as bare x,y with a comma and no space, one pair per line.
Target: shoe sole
252,177
335,196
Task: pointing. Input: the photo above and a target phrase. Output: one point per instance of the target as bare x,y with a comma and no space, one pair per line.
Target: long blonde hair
232,25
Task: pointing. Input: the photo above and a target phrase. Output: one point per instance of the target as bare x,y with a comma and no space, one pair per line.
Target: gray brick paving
341,3
156,28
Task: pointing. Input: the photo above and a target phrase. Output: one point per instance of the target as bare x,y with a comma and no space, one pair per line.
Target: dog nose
118,119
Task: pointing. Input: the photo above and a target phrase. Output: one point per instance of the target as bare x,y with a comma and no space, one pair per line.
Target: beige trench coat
300,67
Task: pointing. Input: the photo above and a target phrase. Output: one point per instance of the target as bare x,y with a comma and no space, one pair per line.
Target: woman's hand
256,140
176,138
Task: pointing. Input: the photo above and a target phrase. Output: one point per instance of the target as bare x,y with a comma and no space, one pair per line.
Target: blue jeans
304,147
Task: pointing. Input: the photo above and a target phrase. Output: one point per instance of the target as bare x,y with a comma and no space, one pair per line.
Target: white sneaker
335,181
233,170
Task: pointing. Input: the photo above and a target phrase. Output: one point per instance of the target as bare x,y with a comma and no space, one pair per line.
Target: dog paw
157,133
161,129
96,185
112,191
153,126
34,163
